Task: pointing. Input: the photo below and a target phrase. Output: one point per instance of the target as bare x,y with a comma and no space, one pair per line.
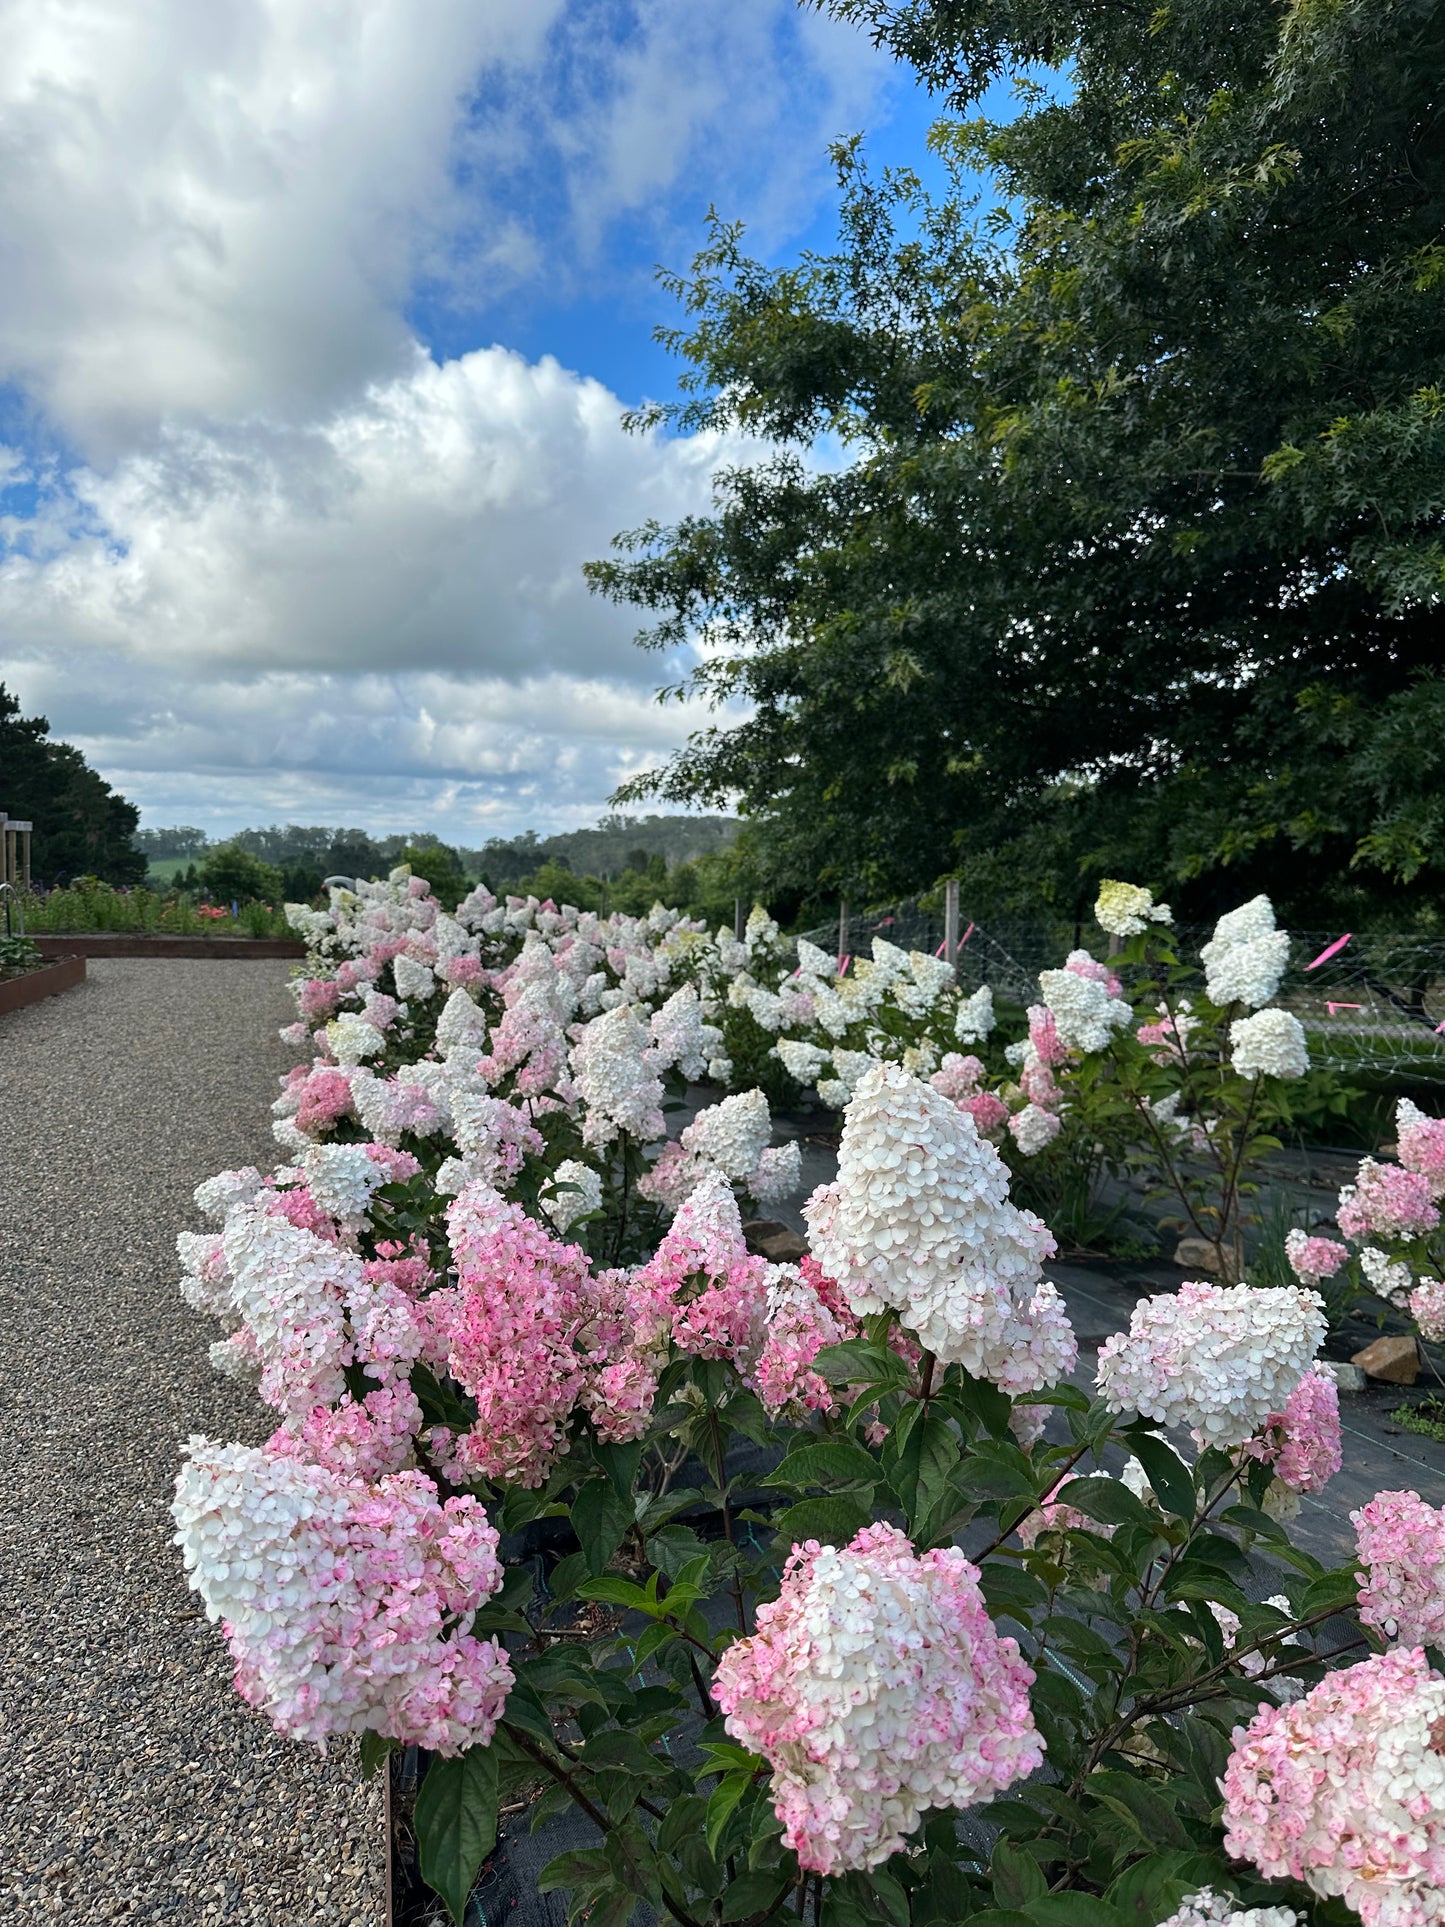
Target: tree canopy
82,828
1135,560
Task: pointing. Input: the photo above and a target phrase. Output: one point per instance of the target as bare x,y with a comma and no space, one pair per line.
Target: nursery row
774,1573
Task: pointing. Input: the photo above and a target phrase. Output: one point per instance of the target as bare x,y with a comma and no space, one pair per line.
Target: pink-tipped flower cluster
1344,1790
1421,1141
343,1602
876,1687
1219,1359
1386,1201
1401,1543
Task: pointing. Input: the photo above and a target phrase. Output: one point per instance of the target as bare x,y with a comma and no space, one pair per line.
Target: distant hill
618,843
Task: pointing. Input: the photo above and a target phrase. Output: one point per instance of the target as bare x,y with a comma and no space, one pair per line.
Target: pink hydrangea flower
805,1314
1311,1259
988,1111
1044,1037
876,1688
1307,1433
343,1602
1344,1790
1422,1144
1401,1543
355,1441
1427,1308
324,1097
317,998
1386,1201
958,1077
523,1297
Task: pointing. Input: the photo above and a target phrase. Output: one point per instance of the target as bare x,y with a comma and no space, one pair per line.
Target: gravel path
137,1786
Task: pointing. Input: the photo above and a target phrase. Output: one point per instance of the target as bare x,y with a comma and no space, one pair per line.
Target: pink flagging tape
1332,1008
1332,950
966,935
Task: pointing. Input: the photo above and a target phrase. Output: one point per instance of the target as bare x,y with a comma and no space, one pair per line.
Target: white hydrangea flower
1085,1015
802,1061
764,1006
778,1174
1216,1358
1127,909
732,1135
919,1221
613,1064
290,1137
1209,1909
1271,1043
1393,1282
975,1017
1034,1129
291,1291
350,1038
681,1036
851,1065
833,1093
564,1208
215,1196
1246,957
341,1178
814,962
461,1025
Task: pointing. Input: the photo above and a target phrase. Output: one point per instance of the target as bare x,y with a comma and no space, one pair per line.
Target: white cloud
288,554
216,209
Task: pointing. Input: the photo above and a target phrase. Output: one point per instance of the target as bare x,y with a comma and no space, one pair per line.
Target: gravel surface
137,1786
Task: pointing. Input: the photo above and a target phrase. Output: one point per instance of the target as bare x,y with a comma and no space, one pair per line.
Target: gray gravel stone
137,1786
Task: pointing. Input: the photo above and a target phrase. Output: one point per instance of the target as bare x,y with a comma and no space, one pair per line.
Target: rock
1348,1378
1196,1254
1396,1360
770,1238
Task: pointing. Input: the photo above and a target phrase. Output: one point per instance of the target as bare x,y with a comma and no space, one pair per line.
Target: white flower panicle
975,1019
919,1221
1246,957
1126,909
1219,1359
1271,1043
565,1207
1085,1015
732,1135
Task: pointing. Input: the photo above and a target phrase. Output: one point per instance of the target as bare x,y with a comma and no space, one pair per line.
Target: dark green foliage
1136,561
230,874
82,828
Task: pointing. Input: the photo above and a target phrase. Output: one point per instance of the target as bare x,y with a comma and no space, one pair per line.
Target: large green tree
1136,554
82,828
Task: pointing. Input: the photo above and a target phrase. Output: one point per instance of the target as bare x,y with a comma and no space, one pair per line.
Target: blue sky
316,333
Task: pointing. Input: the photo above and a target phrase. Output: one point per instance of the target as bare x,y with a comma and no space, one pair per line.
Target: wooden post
10,869
25,857
950,921
842,931
740,921
4,849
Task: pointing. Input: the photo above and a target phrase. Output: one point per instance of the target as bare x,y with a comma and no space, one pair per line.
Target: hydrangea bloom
1245,958
1127,909
1391,1279
805,1314
1271,1043
876,1687
1084,1013
365,1440
523,1298
564,1208
1308,1434
1209,1909
975,1017
291,1290
1219,1359
616,1078
1033,1129
1311,1259
342,1602
731,1135
919,1220
1427,1308
1386,1201
1345,1790
217,1195
350,1038
799,1060
777,1174
1422,1144
1401,1544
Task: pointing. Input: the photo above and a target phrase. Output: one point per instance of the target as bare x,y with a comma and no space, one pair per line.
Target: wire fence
1371,1001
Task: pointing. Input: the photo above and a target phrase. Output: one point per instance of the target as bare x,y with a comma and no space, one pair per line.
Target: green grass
1427,1418
165,869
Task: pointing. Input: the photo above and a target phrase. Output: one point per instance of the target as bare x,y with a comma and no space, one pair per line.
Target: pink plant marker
1331,950
1332,1008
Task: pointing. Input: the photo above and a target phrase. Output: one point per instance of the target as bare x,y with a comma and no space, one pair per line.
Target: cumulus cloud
261,542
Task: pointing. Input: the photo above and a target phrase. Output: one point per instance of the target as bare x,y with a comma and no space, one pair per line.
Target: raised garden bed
124,943
61,972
